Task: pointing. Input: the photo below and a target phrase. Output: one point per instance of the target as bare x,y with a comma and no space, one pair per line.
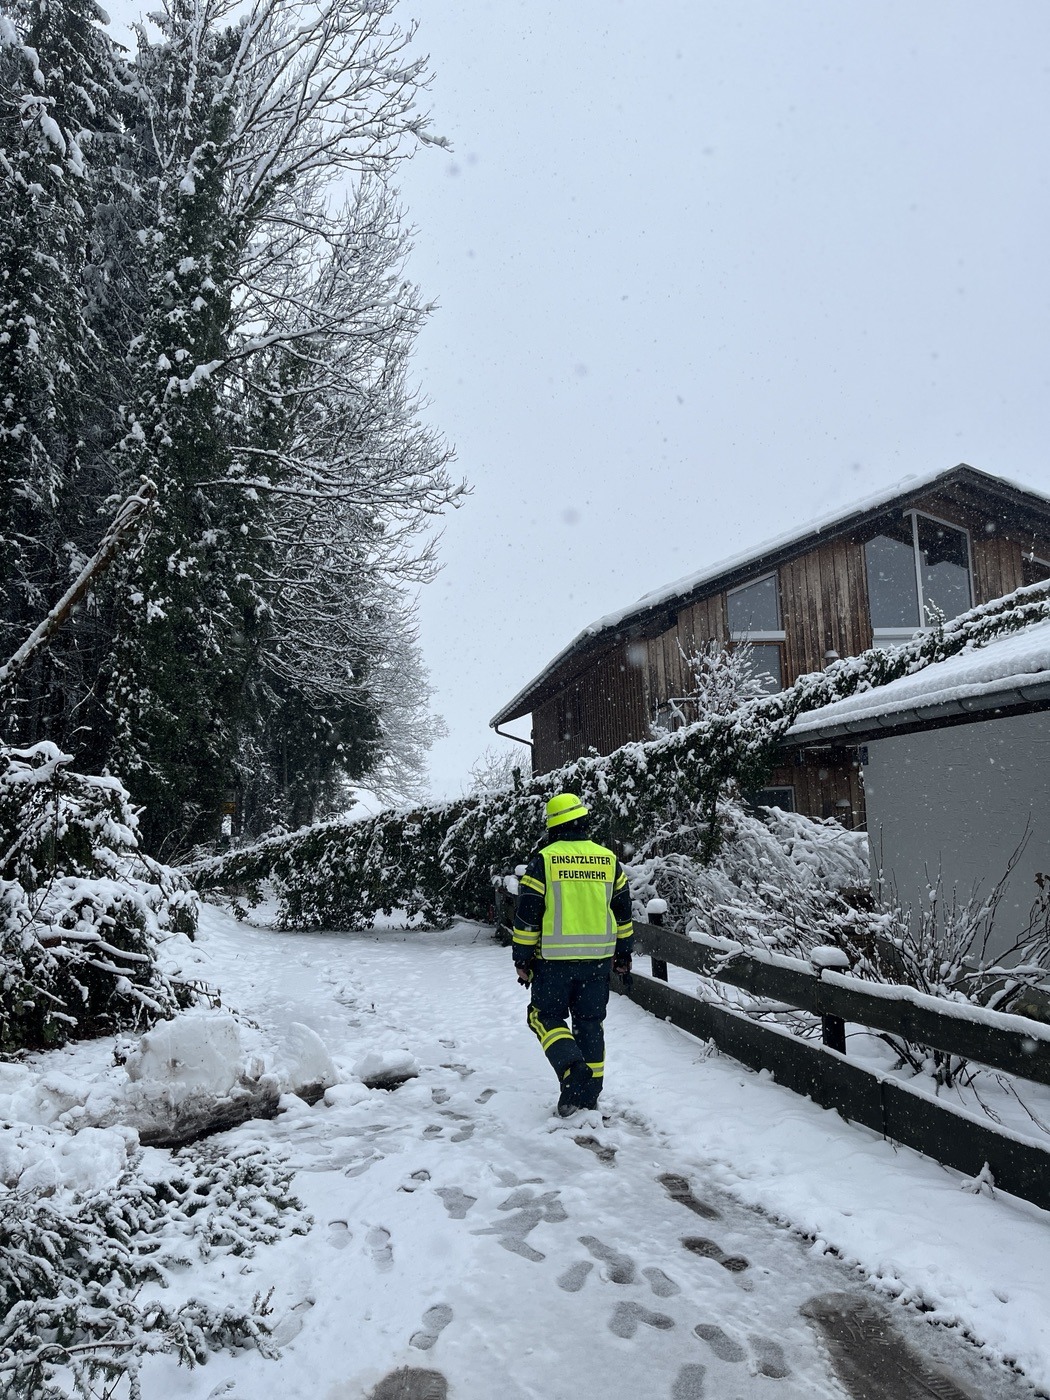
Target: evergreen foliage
664,799
82,910
185,296
76,1317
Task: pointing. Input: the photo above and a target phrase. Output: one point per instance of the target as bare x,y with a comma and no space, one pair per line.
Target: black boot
576,1089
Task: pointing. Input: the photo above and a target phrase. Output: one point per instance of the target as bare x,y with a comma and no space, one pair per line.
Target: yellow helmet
565,807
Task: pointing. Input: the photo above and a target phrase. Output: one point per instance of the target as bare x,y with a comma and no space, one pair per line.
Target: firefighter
572,927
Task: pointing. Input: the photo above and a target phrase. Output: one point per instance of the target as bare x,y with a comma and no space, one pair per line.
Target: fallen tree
659,799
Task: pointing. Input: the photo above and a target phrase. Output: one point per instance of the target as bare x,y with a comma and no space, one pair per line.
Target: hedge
437,861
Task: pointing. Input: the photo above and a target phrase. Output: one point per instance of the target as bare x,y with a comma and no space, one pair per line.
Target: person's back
573,925
580,881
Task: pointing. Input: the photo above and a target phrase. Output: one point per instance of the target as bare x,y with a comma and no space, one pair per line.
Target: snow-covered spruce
81,1274
83,913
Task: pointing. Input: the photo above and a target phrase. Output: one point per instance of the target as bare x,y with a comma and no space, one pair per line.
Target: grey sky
705,272
704,275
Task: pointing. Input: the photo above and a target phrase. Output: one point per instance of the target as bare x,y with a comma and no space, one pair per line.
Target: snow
826,956
1000,667
461,1228
690,583
198,1052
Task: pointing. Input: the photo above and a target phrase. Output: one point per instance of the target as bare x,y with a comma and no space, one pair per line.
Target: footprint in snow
415,1181
435,1320
606,1155
462,1070
689,1383
440,1095
624,1321
380,1248
723,1346
484,1096
661,1285
289,1327
708,1249
509,1179
339,1235
359,1168
527,1211
575,1276
463,1134
457,1202
619,1267
678,1188
433,1130
411,1383
769,1358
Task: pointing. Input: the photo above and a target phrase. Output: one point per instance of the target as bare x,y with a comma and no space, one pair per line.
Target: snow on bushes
82,911
665,798
82,1272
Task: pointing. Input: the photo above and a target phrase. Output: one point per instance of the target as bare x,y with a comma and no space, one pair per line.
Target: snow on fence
900,1112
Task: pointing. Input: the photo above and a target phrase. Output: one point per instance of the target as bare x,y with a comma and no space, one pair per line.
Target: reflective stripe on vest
577,920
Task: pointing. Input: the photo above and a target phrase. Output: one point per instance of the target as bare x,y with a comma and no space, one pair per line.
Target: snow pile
46,1161
386,1069
199,1073
193,1054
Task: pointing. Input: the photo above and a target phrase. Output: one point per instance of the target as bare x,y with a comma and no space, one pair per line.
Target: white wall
957,801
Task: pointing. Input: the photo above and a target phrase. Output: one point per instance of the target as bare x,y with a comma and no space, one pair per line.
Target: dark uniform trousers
576,988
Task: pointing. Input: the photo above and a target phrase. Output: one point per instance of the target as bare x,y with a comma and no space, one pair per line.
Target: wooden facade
611,689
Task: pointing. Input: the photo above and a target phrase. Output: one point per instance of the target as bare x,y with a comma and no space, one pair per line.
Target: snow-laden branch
125,524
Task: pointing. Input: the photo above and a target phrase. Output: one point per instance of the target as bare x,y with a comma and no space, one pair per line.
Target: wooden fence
899,1111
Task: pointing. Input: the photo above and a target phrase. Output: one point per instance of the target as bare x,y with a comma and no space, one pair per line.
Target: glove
524,971
622,968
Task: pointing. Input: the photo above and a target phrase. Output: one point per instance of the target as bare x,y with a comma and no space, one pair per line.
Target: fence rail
907,1115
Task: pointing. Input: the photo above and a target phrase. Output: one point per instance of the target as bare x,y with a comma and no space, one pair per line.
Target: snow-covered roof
705,580
1011,674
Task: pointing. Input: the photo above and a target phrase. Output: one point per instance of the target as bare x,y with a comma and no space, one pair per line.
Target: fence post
832,1028
654,912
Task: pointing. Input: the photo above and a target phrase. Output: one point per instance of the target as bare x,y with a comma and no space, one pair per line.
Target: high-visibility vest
577,920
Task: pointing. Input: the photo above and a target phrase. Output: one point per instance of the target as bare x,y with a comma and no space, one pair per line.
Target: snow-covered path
467,1243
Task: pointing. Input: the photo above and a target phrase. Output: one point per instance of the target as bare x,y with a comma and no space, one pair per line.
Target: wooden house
867,576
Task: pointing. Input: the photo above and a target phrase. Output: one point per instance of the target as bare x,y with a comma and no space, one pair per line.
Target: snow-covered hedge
661,798
82,910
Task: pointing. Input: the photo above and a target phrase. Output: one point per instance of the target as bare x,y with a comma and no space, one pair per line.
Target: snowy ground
467,1243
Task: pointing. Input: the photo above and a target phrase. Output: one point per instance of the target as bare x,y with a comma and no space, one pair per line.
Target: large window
915,566
754,617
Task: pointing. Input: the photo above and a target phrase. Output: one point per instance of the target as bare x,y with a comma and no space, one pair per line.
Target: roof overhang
1014,700
656,612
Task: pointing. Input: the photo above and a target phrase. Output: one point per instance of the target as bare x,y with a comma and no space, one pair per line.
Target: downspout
504,735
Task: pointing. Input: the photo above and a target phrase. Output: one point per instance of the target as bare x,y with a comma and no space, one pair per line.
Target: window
754,617
782,797
766,662
917,563
1034,569
754,608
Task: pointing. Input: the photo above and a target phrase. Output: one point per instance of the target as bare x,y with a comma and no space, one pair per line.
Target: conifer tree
57,78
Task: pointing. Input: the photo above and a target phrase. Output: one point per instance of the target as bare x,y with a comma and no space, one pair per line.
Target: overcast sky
703,274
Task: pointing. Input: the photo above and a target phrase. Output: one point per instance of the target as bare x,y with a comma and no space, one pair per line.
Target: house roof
649,615
1005,677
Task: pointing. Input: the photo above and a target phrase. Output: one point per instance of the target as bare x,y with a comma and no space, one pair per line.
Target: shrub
82,910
